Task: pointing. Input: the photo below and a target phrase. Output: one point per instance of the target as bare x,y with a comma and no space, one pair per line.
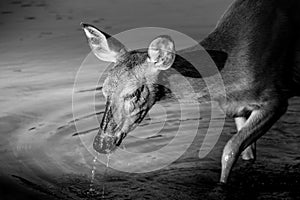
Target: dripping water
104,176
92,188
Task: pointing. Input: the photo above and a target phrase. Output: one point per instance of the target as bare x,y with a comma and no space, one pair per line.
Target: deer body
260,73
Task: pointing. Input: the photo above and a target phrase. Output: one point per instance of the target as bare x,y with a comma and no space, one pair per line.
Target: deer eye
132,95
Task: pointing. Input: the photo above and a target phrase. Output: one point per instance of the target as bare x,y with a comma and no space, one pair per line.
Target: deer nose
104,143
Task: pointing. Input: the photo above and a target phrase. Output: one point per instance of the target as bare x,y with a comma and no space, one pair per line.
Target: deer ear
161,52
104,46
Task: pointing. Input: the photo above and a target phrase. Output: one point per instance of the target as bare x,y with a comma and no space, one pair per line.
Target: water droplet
103,184
92,189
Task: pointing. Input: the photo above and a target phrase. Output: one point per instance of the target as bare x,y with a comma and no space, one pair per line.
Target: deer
260,69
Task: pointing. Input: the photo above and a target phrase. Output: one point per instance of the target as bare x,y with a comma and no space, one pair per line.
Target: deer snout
105,143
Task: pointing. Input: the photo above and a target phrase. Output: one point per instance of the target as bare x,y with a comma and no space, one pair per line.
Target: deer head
129,88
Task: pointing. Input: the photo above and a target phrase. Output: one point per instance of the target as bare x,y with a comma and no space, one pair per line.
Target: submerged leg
258,123
250,152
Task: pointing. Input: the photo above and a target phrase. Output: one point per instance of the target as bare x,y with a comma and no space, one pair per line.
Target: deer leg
250,152
258,123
